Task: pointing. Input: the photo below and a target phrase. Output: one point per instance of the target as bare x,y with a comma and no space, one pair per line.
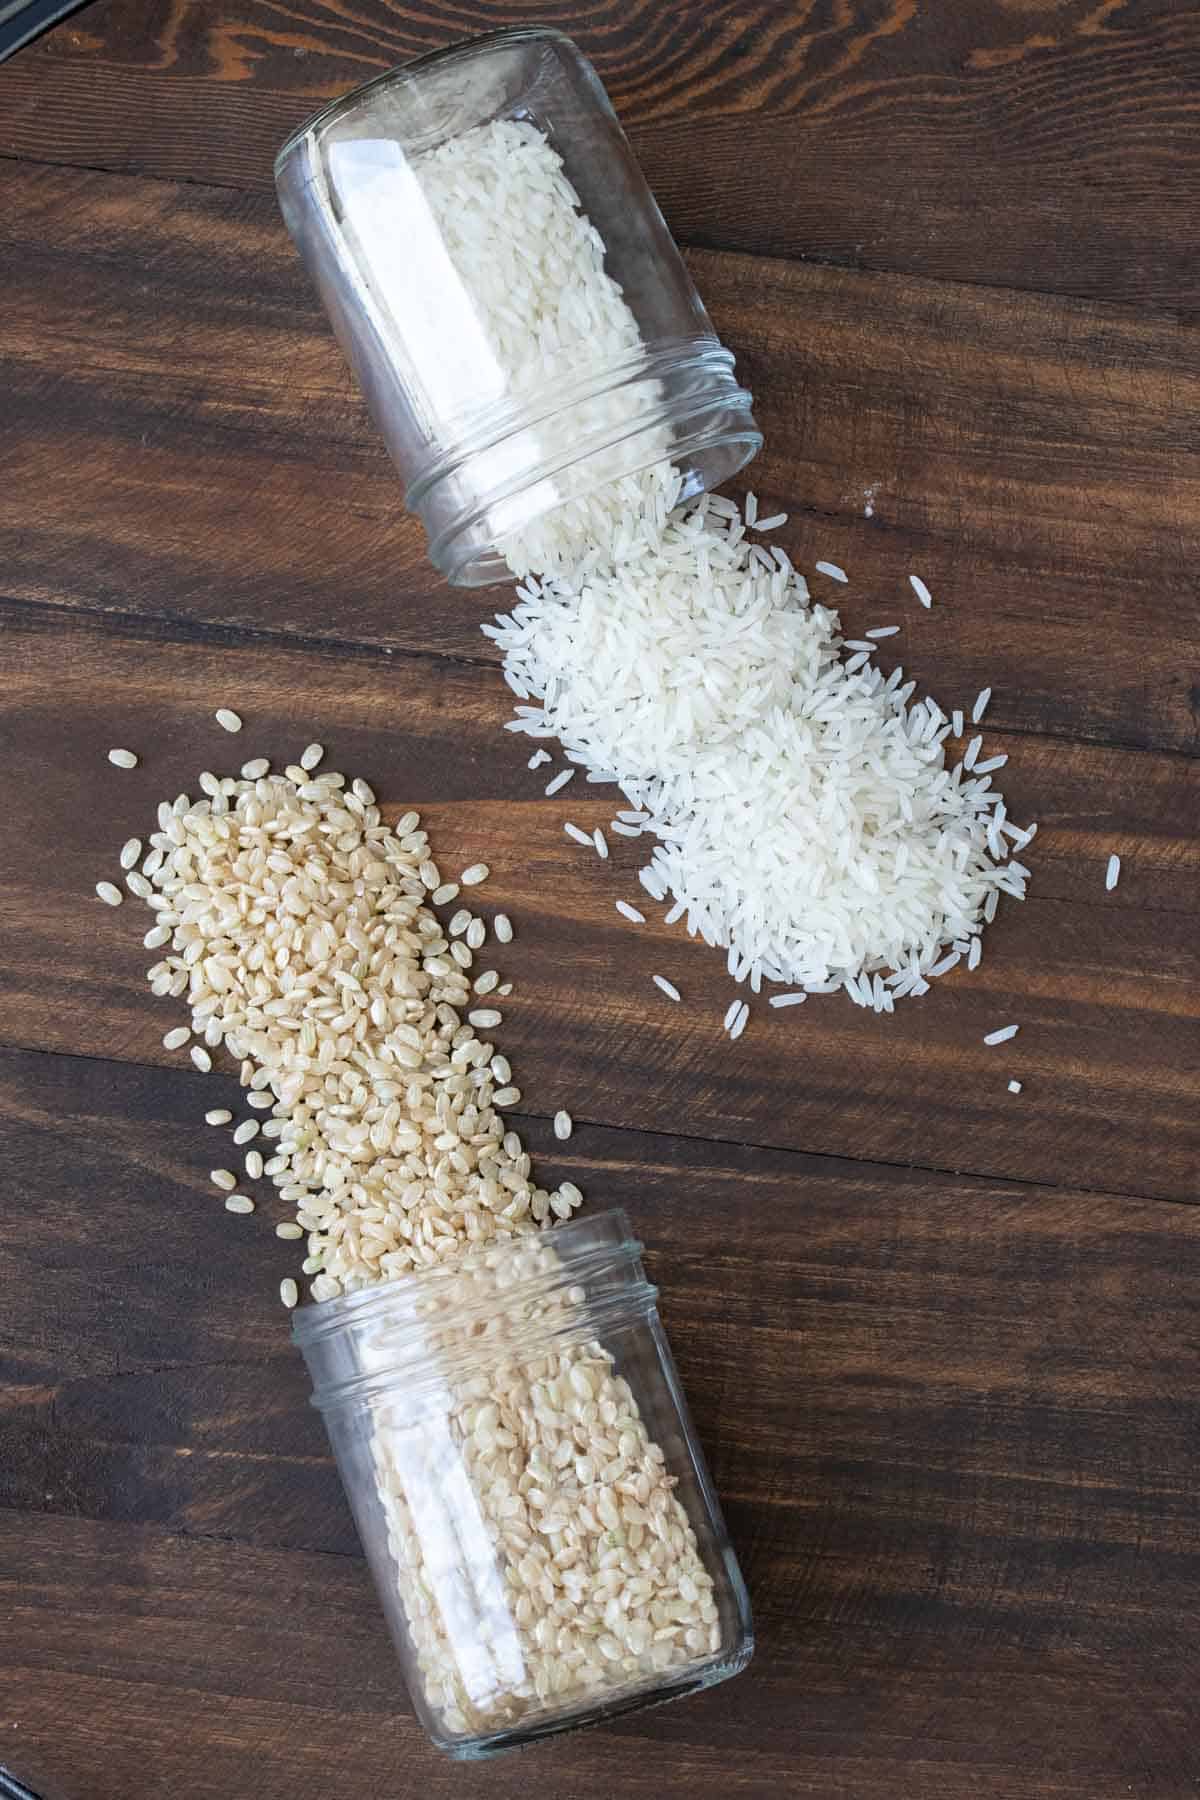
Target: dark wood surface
941,1343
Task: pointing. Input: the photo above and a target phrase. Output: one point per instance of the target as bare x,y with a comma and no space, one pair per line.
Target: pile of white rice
806,819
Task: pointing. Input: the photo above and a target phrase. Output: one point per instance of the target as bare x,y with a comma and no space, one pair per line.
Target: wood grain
953,1424
1039,145
1103,985
939,1341
186,443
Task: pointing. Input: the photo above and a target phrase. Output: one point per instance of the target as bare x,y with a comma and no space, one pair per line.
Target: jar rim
462,49
420,1330
607,1233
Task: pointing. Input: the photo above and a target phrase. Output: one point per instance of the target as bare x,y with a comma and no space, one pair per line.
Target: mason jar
529,1491
529,341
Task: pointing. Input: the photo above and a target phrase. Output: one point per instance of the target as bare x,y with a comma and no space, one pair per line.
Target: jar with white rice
526,333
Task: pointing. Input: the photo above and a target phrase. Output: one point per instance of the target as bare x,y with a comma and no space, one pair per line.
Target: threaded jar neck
512,1302
674,403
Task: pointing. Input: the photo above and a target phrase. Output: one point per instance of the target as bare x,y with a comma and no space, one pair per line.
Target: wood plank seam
522,1117
1160,311
178,629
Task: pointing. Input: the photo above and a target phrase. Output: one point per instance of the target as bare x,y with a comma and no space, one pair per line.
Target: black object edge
20,22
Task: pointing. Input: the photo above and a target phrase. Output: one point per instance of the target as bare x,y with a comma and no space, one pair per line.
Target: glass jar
504,285
533,1503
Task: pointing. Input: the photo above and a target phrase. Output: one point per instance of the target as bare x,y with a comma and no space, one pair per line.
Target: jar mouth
489,427
430,1326
691,397
730,450
461,50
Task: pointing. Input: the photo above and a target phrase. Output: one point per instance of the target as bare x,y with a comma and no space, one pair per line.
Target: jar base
691,1680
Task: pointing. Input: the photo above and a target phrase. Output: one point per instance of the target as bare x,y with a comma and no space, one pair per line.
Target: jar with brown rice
527,1485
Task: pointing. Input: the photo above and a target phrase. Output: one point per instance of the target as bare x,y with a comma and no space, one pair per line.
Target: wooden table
941,1342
